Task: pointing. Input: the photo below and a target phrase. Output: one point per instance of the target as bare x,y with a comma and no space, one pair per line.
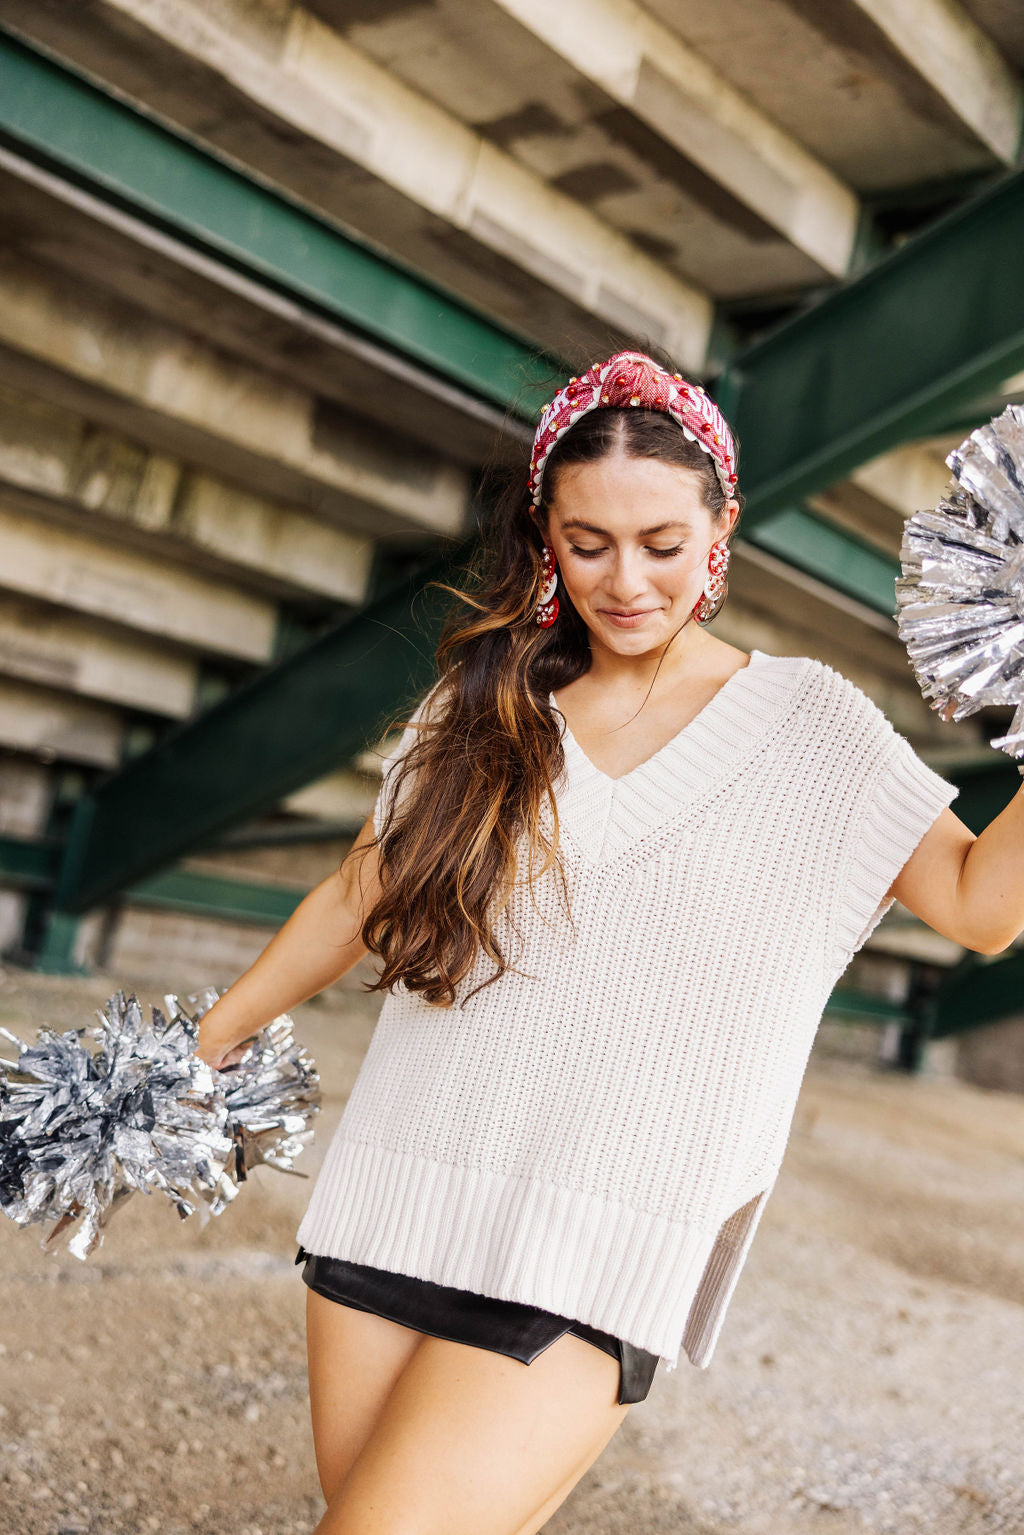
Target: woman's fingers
219,1055
235,1054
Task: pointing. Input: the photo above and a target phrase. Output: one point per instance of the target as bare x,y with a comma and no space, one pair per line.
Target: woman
615,870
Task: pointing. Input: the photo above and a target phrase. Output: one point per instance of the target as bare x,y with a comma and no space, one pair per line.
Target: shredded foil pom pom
83,1126
960,599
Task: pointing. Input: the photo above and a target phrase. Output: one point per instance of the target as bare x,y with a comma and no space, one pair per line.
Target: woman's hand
217,1052
223,1036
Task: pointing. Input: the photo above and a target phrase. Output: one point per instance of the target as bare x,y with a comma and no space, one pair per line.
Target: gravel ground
867,1377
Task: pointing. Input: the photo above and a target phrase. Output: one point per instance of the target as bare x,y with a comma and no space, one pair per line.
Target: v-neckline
699,720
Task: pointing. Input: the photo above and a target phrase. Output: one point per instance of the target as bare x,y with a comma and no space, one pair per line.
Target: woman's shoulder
832,701
783,681
822,678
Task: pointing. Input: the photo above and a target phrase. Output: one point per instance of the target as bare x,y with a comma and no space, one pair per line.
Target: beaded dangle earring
547,602
714,582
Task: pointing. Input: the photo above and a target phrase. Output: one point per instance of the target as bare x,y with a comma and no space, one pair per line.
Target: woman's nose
627,578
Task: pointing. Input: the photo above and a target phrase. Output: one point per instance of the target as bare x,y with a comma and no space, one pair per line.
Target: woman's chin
634,641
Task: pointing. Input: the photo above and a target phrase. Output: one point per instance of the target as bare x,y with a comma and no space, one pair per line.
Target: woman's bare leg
540,1516
470,1442
355,1358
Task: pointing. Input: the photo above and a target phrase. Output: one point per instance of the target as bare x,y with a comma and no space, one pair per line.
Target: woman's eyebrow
590,527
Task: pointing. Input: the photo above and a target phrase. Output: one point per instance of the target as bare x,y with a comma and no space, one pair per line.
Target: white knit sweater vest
597,1132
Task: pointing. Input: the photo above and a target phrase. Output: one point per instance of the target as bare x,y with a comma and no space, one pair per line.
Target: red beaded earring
714,582
547,602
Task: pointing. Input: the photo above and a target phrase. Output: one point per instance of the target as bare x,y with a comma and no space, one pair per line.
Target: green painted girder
833,554
33,864
291,724
30,863
985,790
212,895
915,340
976,993
58,954
847,1002
159,173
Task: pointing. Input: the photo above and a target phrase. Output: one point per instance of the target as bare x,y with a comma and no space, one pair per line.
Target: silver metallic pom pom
960,599
84,1126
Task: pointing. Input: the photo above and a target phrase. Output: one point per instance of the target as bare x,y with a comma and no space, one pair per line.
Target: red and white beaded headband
633,378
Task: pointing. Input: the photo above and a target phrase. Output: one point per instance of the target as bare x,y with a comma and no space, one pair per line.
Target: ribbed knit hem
632,1274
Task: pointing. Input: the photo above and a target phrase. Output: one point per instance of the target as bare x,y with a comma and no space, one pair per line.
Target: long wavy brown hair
464,803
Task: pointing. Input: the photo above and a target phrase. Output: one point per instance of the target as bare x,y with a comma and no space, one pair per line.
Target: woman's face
632,538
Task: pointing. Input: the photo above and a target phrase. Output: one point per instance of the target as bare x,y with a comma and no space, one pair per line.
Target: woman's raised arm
969,888
318,944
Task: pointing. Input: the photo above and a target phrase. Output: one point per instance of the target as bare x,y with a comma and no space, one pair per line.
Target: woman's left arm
969,888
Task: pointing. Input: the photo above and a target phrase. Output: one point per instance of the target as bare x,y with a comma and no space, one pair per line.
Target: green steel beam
985,791
810,542
33,864
911,342
968,416
846,1002
978,993
29,863
57,955
160,174
289,725
211,895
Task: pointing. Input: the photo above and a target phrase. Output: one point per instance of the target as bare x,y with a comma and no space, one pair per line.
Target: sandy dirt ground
868,1377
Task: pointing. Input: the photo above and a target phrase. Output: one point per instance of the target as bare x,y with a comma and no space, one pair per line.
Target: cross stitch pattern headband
633,378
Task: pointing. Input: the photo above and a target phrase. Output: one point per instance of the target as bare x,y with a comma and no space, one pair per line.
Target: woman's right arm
318,944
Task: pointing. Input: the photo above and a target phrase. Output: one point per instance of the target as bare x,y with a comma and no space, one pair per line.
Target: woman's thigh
355,1357
470,1442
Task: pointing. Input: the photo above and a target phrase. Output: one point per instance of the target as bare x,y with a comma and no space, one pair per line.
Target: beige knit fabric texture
598,1131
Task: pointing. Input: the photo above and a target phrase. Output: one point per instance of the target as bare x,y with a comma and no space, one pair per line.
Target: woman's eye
661,554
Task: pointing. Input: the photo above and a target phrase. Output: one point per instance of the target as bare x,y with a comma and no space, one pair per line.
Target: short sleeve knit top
596,1133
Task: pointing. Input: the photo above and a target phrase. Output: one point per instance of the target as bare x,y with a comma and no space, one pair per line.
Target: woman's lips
627,620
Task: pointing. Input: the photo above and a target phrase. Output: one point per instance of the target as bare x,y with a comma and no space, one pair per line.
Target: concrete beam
70,469
908,480
766,596
26,792
55,727
57,650
943,44
649,70
133,591
343,797
94,354
342,320
357,143
282,548
880,495
460,177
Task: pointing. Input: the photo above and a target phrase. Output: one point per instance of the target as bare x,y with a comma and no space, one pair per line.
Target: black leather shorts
504,1326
